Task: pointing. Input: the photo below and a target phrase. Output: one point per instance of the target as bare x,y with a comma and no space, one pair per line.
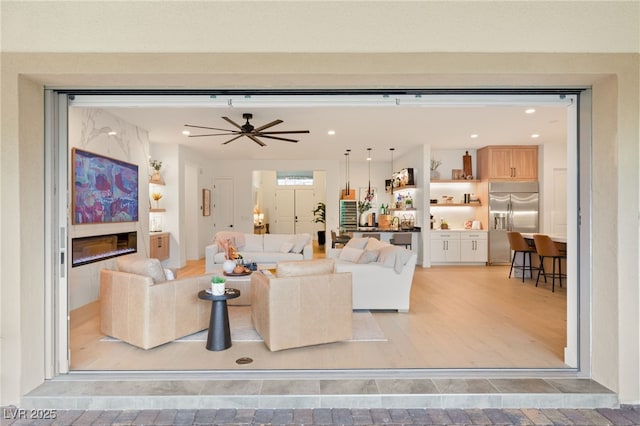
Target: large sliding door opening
465,313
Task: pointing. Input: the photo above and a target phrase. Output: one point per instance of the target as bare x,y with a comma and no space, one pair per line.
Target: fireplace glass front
100,247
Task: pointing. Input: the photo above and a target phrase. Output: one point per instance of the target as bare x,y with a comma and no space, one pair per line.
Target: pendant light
392,149
369,194
346,187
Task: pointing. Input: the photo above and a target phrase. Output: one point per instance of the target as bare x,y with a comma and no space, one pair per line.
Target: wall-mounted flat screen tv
104,189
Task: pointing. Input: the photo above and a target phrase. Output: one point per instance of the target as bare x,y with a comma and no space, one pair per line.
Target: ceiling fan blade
232,122
214,134
208,128
273,123
256,140
231,140
283,132
279,138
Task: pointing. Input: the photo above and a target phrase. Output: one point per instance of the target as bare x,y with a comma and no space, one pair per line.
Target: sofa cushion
136,264
305,267
299,241
350,254
359,243
253,242
273,242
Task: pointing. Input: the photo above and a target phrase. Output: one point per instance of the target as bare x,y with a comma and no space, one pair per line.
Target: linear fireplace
100,247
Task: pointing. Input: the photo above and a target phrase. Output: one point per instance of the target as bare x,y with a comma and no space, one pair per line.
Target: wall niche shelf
157,210
400,188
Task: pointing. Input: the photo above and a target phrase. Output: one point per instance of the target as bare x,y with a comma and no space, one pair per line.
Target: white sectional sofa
381,274
262,248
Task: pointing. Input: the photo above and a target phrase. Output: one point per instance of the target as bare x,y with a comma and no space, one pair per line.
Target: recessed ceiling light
535,135
186,132
112,133
474,136
530,111
331,132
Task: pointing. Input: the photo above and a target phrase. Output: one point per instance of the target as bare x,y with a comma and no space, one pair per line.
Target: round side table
219,336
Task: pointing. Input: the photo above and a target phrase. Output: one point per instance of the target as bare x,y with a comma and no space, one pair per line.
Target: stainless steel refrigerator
513,206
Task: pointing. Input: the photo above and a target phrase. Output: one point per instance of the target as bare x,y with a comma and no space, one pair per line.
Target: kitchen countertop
458,230
554,238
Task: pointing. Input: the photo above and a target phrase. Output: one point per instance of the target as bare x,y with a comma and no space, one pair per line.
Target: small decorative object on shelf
435,174
155,177
444,224
156,197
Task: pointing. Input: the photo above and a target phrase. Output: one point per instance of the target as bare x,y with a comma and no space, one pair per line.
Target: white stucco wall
392,44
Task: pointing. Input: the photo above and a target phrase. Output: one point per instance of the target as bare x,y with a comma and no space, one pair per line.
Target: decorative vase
156,178
435,175
364,219
228,265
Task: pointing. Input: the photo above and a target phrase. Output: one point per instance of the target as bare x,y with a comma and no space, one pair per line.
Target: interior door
223,204
305,201
285,222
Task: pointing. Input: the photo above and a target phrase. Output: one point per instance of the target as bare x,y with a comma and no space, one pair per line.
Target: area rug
365,328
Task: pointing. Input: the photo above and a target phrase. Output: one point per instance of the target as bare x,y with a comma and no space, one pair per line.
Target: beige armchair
139,306
304,303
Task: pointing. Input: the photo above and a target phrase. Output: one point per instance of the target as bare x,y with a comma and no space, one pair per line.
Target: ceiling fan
248,130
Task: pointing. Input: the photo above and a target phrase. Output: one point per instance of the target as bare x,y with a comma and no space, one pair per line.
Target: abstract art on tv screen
104,189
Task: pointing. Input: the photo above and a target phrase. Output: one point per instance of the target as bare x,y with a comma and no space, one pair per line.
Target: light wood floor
460,317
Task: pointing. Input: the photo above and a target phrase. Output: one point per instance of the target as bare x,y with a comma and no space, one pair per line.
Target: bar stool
547,248
403,239
371,235
519,245
338,239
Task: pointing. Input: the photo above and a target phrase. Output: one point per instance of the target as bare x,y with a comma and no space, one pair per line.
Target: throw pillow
169,274
375,244
350,254
369,256
286,247
394,257
358,243
299,241
142,266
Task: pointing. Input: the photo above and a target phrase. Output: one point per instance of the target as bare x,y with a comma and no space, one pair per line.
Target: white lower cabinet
458,247
473,246
445,247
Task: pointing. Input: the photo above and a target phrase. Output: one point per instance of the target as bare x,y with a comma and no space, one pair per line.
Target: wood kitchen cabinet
508,162
159,245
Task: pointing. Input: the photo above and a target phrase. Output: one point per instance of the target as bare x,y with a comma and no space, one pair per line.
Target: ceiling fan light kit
249,131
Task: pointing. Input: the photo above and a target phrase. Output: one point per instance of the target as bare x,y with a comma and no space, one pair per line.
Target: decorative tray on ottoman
240,274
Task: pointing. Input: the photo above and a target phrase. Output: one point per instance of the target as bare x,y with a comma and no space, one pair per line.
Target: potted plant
320,217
